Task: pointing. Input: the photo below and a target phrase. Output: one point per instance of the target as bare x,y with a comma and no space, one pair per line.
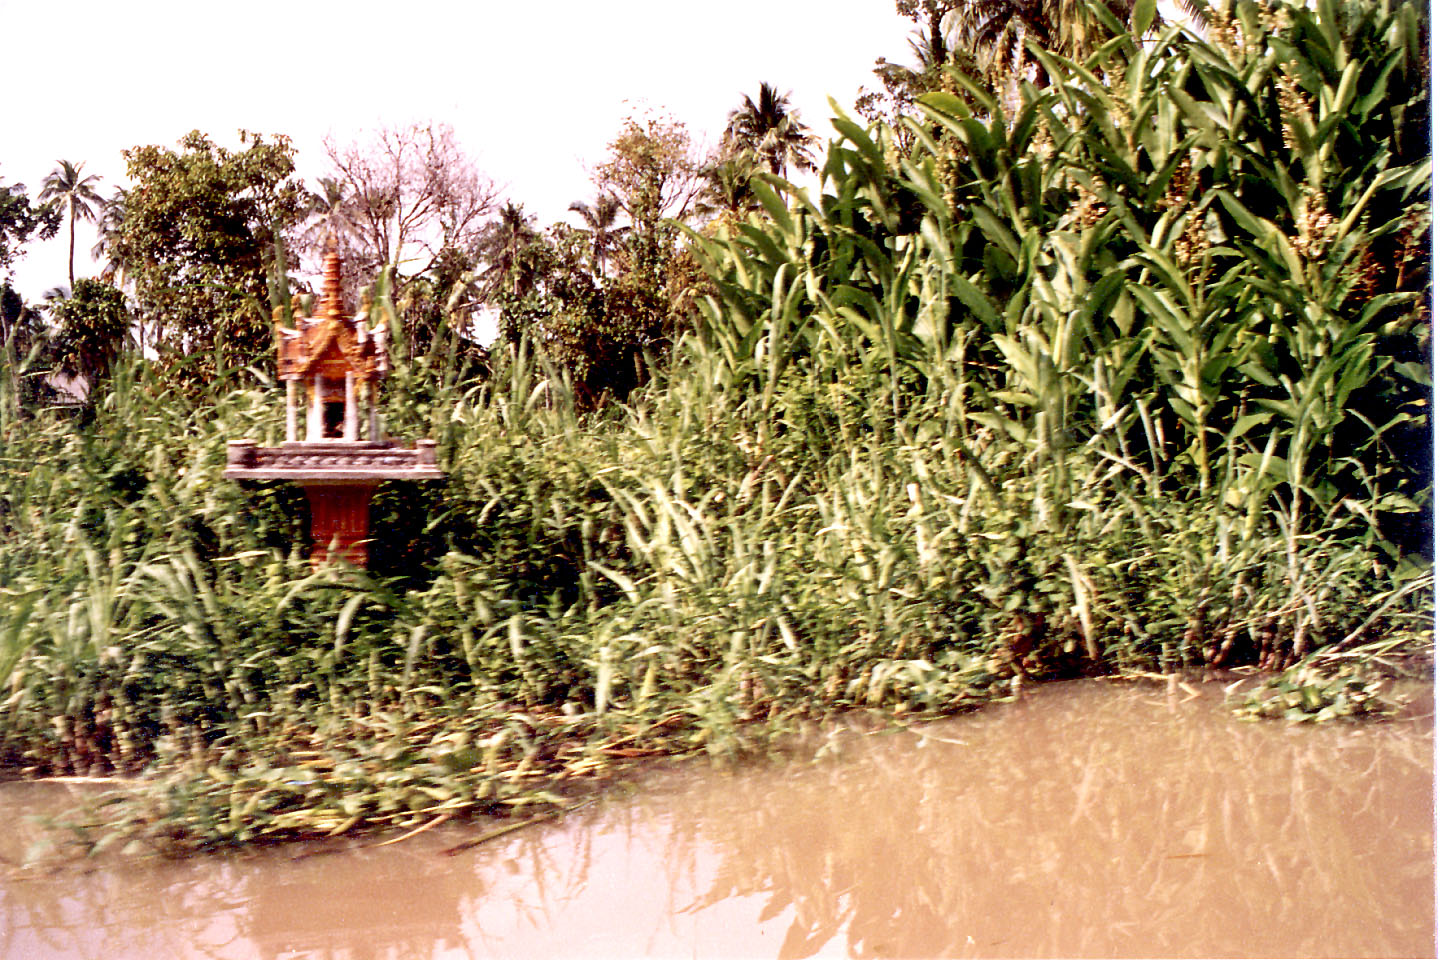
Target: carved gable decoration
329,344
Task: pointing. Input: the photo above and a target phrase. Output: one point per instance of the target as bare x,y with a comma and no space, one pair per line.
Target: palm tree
771,132
726,194
932,41
107,228
601,223
996,31
932,47
65,184
503,244
329,212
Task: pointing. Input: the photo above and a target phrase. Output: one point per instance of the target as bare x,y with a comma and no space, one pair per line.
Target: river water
1085,819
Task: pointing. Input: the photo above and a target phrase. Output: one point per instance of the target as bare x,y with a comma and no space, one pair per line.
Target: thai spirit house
332,365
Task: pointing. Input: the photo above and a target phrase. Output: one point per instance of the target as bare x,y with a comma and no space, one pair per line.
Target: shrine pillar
291,414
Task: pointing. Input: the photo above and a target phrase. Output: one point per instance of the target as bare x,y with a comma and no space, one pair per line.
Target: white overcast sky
534,91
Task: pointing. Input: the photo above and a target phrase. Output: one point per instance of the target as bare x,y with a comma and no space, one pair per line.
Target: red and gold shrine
334,363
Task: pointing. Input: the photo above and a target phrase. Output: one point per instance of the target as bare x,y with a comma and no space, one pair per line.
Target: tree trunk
72,248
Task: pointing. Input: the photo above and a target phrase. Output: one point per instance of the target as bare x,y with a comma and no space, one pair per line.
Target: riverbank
390,775
1086,818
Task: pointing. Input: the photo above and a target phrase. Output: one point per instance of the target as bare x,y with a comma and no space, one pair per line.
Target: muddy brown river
1086,819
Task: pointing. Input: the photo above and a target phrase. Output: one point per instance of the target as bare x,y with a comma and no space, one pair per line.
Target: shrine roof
328,334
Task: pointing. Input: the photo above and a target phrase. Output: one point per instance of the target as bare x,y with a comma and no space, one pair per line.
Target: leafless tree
407,195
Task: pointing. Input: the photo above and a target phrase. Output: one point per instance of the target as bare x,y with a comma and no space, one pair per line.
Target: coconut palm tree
331,211
934,57
771,132
996,33
107,228
65,185
503,245
601,222
726,194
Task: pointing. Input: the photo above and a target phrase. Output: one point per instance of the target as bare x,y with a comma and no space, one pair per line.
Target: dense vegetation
1128,372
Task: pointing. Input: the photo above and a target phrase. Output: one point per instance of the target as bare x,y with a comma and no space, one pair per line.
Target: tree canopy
408,196
767,130
94,325
66,187
199,228
20,220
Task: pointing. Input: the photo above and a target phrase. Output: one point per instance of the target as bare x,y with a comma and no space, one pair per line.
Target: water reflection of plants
1091,824
1129,377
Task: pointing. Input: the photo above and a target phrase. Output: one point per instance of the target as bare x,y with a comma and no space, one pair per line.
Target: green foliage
602,303
769,133
22,336
19,221
1151,287
197,232
725,196
1312,692
94,327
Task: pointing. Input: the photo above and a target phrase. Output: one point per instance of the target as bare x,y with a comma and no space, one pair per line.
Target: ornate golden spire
331,308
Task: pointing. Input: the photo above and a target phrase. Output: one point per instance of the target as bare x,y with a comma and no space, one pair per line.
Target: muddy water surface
1088,819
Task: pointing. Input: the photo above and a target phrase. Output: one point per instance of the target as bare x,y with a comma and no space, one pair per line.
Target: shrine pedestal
340,521
336,360
339,479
